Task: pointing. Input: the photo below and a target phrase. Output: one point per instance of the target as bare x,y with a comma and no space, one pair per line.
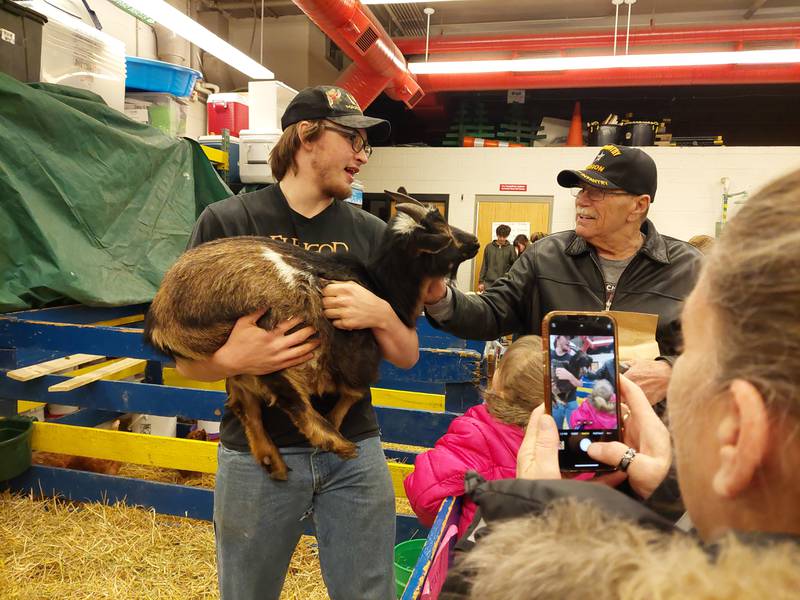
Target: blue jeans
258,521
562,412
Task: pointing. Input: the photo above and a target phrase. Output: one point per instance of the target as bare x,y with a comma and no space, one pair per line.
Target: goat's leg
347,398
247,407
294,399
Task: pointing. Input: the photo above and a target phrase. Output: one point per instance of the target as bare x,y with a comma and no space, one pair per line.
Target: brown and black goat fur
214,284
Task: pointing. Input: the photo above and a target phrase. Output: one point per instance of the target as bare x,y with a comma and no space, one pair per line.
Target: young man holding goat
258,520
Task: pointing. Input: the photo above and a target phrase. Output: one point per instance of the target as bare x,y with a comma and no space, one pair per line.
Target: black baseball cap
616,168
334,104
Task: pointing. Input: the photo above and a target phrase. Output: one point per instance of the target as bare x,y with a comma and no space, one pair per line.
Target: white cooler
254,149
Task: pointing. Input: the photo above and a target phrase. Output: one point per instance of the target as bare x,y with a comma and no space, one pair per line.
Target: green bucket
405,558
15,447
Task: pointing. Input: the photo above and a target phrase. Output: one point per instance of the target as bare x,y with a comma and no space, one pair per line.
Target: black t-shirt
339,228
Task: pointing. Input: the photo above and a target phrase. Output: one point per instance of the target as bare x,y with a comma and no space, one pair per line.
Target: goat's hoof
279,475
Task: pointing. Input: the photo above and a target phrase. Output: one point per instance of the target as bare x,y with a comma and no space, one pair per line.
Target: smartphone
582,384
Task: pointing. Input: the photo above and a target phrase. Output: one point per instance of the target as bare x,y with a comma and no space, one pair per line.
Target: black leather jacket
562,272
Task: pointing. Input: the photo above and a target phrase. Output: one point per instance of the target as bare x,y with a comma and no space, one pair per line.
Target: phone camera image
583,380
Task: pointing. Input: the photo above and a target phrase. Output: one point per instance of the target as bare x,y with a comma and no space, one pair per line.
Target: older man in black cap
258,521
614,259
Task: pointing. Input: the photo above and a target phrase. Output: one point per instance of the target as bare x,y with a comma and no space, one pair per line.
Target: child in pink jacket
485,439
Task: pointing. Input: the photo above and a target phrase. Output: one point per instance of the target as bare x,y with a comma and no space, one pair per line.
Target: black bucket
600,135
639,133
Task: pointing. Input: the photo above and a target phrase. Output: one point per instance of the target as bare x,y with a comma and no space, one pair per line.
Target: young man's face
501,239
335,162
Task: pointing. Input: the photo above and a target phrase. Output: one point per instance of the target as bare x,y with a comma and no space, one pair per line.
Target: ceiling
530,16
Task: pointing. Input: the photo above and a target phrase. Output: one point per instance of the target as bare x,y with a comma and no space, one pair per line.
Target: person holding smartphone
734,408
614,259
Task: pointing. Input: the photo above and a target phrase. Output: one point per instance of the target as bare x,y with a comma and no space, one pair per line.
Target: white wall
294,49
688,201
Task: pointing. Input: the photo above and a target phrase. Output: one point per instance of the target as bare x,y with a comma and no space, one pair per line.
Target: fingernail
543,424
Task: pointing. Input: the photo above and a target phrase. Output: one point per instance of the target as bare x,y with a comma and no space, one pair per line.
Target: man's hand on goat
251,350
652,376
351,306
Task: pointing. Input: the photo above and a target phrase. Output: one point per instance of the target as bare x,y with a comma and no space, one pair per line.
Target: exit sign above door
513,187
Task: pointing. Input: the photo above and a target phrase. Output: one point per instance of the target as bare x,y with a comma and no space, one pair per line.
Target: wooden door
536,212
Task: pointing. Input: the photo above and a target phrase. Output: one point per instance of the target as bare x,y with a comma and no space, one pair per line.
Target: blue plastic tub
144,74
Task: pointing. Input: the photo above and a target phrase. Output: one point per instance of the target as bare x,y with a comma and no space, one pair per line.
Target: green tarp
94,207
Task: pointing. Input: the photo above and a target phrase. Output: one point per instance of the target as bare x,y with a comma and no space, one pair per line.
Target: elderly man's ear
743,438
642,206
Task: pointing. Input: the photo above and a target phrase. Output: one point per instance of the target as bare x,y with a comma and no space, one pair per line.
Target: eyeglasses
595,194
357,141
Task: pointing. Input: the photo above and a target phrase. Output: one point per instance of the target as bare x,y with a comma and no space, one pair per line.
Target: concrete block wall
688,202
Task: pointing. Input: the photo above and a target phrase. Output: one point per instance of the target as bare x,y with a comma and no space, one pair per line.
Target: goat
214,284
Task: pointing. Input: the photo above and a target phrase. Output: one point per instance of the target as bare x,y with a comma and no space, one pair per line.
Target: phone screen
583,386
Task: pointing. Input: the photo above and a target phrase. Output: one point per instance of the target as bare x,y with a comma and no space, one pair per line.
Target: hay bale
70,551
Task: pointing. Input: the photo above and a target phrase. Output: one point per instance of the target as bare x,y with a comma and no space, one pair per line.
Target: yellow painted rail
380,396
152,450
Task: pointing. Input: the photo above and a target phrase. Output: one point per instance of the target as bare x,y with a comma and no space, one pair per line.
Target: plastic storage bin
15,447
148,75
21,41
405,557
78,55
164,111
227,111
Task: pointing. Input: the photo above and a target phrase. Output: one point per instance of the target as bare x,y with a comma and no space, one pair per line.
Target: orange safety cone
575,135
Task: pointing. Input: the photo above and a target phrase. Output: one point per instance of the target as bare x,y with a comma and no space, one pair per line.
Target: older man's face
600,213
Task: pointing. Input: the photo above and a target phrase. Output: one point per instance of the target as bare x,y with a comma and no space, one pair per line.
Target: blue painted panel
414,427
430,337
8,407
458,397
78,314
164,498
441,366
106,341
87,417
121,396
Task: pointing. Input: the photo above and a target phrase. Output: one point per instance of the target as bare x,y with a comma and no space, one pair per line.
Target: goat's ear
430,243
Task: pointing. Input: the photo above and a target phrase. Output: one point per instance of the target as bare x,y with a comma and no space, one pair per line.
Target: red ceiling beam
639,37
705,75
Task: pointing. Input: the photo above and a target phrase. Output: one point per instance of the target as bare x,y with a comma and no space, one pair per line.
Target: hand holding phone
645,433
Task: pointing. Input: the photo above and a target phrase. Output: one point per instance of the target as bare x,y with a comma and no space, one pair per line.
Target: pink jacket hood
474,441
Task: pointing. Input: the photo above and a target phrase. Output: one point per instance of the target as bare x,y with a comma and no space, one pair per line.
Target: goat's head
425,235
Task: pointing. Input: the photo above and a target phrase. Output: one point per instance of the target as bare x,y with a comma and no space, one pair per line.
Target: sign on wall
513,187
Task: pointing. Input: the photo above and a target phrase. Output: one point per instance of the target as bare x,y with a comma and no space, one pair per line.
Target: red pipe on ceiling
640,37
379,64
702,75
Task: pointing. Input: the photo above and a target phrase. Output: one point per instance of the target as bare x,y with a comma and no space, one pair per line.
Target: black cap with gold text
616,168
334,104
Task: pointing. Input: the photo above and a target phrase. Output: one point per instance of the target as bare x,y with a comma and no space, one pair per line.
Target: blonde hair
520,377
704,243
282,155
575,550
753,286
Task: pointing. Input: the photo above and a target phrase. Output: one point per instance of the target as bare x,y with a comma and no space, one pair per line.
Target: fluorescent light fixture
191,30
628,61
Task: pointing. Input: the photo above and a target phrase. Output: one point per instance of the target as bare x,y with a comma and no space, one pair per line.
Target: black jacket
562,272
